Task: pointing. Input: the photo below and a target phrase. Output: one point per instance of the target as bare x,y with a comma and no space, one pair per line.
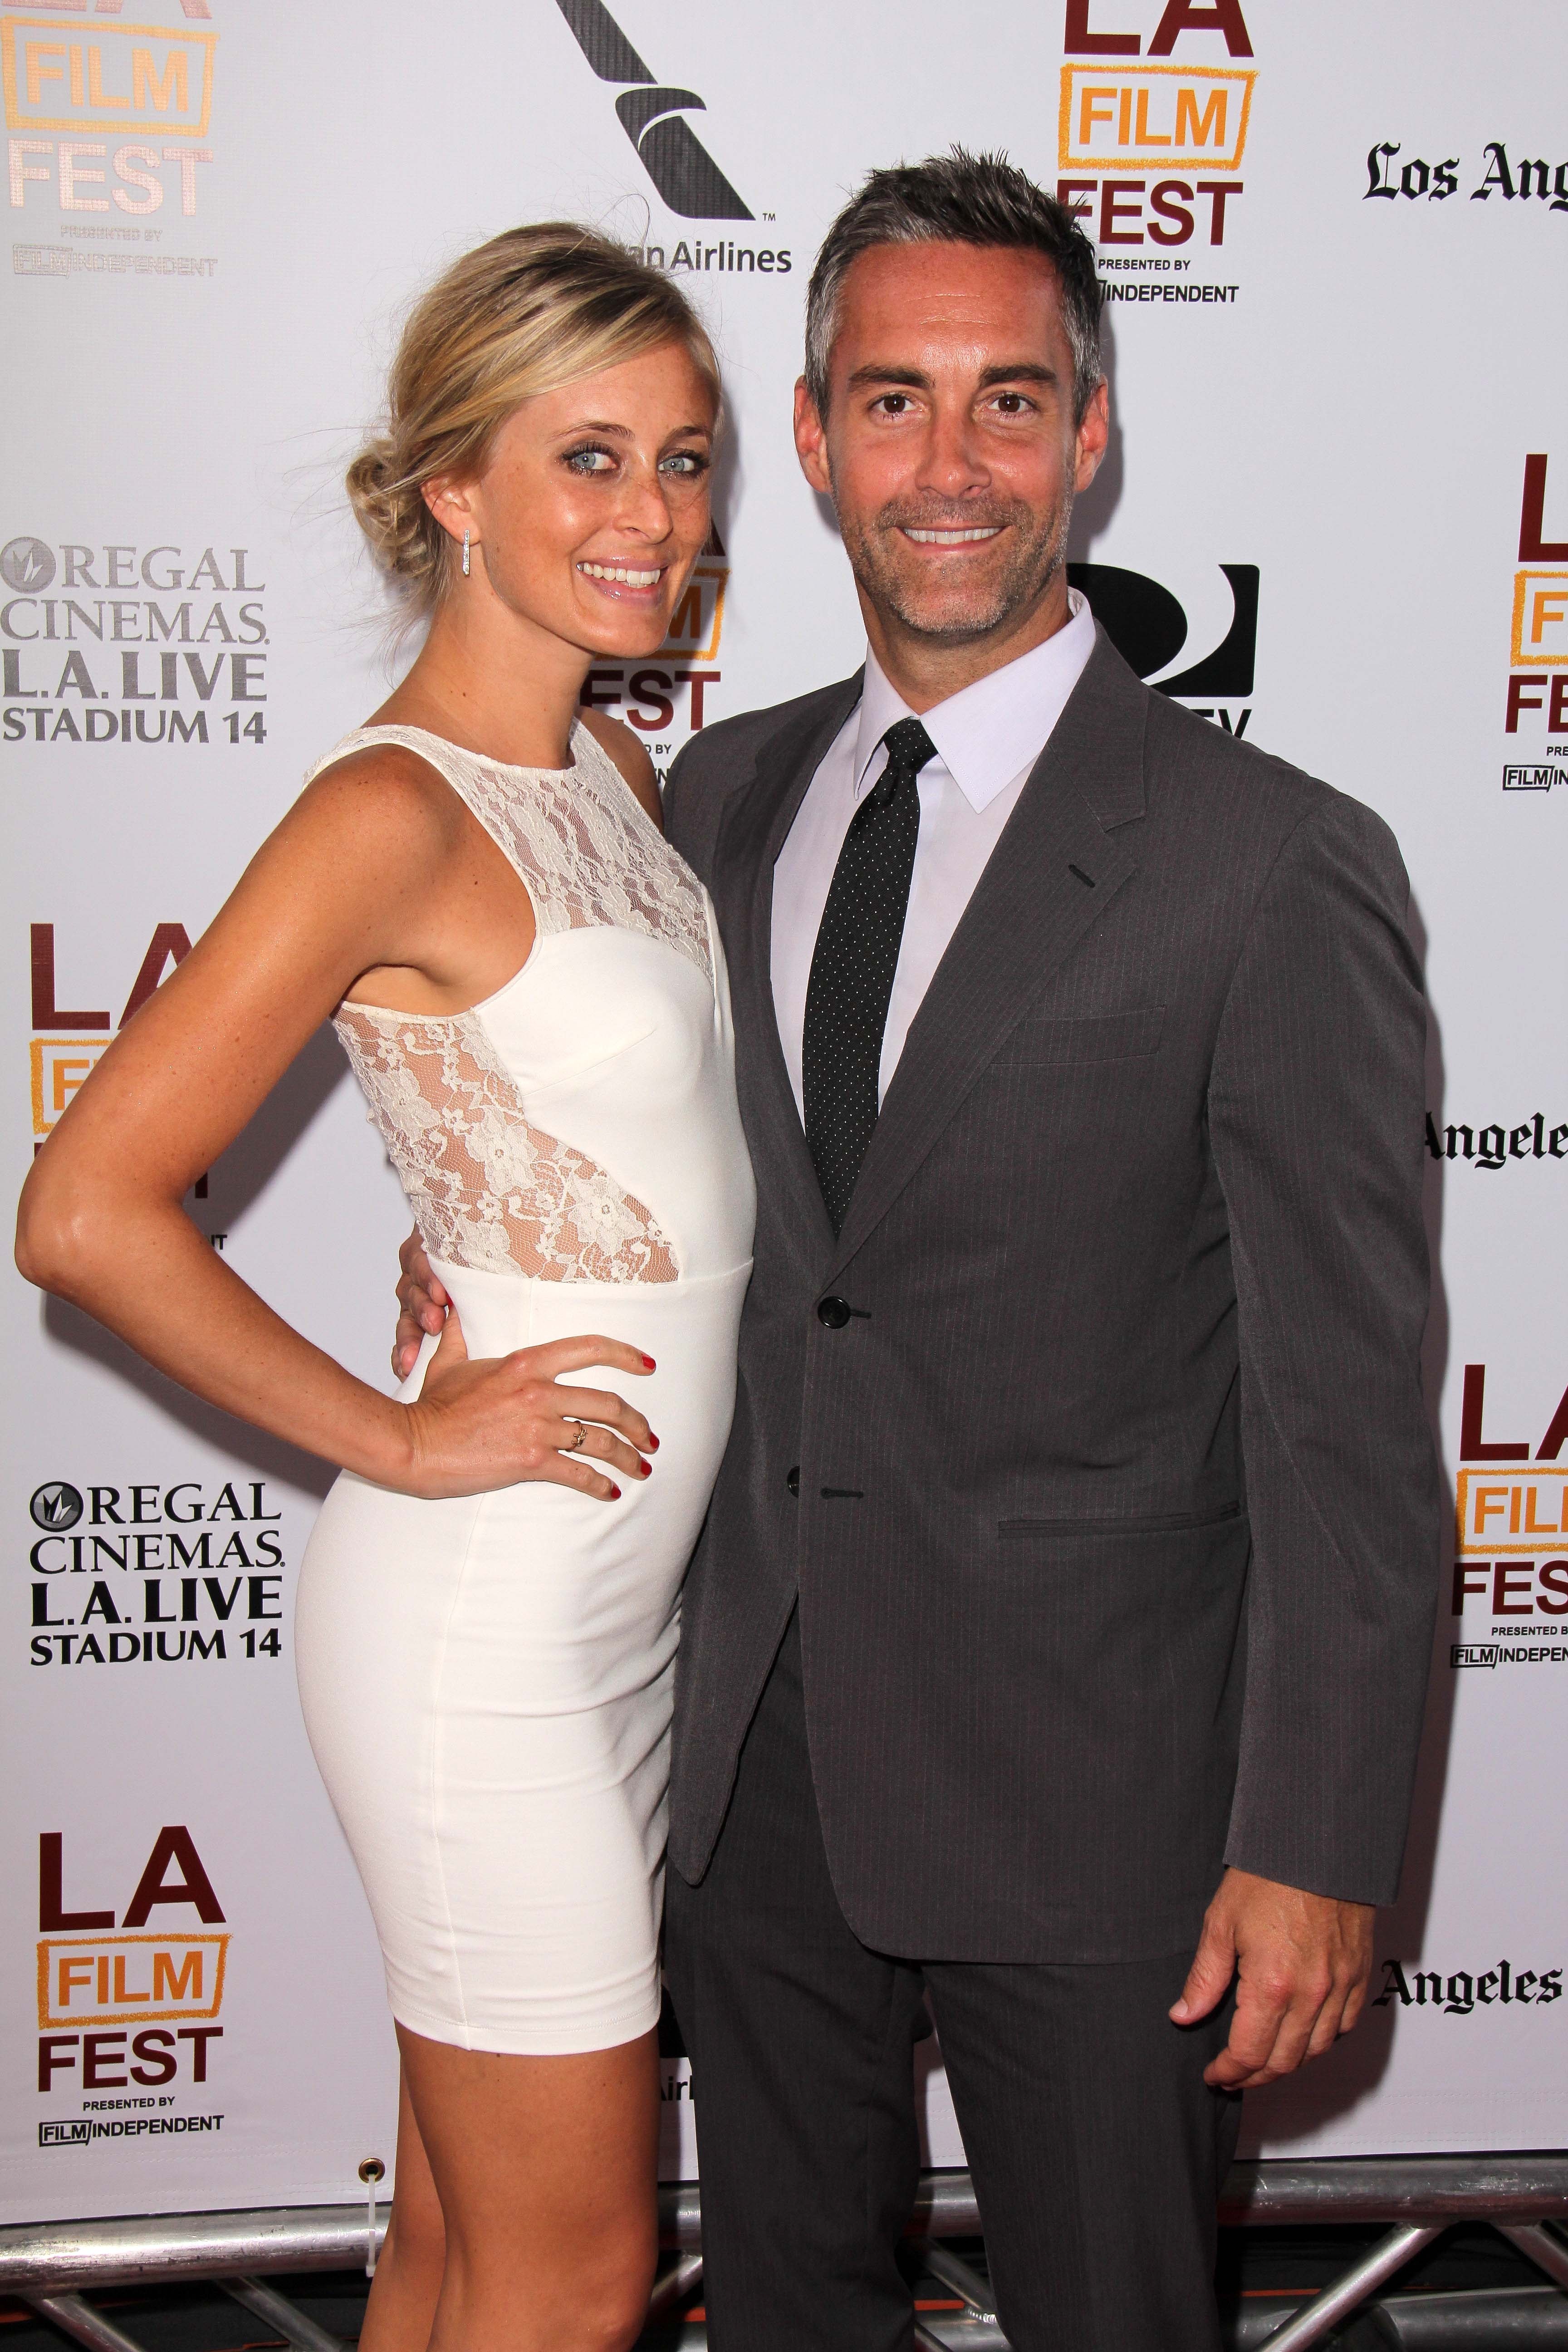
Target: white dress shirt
988,738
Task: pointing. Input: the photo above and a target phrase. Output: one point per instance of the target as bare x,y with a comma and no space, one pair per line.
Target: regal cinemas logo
1538,640
133,2005
1148,144
145,1574
676,679
118,643
1510,1553
109,121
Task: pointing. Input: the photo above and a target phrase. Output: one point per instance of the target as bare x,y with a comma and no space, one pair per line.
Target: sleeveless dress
486,1681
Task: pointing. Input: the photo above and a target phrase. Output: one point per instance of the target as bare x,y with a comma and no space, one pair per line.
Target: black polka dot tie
852,968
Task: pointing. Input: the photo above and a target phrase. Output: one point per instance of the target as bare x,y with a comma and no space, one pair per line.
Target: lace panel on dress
589,850
488,1190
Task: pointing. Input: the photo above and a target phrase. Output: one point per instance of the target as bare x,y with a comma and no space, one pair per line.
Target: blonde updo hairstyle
533,309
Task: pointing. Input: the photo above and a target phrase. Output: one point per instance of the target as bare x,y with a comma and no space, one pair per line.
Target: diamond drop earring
465,555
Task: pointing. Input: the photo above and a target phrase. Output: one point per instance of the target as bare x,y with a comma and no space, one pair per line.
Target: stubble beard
1037,556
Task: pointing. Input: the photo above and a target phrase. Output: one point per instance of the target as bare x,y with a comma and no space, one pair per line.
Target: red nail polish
615,1494
653,1442
647,1469
649,1363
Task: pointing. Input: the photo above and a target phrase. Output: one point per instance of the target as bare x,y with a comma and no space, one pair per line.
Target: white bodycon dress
486,1681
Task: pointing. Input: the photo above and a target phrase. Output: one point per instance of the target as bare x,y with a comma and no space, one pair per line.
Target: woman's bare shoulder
385,796
630,757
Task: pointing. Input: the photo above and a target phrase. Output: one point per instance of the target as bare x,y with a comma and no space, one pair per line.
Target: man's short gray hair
958,199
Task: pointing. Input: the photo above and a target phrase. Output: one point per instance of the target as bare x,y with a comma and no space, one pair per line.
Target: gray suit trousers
1097,2149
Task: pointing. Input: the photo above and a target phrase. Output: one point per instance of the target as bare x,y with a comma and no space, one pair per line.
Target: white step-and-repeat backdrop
1334,518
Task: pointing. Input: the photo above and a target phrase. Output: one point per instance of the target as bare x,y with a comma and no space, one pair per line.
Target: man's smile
970,537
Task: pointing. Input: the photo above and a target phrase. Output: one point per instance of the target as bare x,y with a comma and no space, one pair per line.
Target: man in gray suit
1056,1648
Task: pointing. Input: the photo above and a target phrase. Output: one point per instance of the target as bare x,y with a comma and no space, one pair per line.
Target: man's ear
1093,434
811,441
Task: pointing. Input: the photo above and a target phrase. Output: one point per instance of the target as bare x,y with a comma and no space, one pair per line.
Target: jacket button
792,1479
834,1312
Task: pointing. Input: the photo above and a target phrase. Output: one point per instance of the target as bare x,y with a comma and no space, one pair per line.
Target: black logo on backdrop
55,1507
1531,176
681,168
671,2041
1458,1994
1149,628
1493,1147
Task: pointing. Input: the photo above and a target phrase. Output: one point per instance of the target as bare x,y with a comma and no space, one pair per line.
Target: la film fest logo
107,125
1510,1552
653,118
1149,143
1538,639
121,643
681,675
133,2010
60,1056
152,1575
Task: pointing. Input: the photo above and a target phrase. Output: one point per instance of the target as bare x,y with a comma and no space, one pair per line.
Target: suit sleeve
674,798
1315,1109
691,808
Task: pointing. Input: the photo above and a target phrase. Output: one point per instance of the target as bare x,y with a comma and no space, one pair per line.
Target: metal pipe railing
1319,2317
61,2257
1529,2186
49,2263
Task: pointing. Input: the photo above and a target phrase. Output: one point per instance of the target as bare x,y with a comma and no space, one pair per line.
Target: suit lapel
755,829
1029,910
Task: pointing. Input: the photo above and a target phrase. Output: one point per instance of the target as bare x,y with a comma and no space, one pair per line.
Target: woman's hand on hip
496,1420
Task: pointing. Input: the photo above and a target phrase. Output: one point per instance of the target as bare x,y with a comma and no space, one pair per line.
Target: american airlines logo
677,162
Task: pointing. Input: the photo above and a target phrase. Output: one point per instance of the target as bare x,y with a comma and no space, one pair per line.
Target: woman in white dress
529,983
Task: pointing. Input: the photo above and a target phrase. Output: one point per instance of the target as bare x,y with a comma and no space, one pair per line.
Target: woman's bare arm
346,885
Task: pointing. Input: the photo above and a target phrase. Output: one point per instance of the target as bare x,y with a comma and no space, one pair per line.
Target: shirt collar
986,733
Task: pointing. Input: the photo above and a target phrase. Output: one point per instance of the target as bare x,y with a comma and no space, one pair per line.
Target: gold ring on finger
581,1439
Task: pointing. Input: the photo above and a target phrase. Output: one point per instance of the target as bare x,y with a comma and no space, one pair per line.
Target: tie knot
909,748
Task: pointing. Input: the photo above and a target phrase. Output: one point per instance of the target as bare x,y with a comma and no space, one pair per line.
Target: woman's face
594,506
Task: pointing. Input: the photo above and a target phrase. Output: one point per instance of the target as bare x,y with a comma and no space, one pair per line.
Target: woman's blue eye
590,461
685,461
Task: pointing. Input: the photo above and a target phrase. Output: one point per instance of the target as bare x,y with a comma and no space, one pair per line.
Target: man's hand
1302,1962
423,1302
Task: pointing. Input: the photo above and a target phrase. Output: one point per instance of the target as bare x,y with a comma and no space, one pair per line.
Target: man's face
949,449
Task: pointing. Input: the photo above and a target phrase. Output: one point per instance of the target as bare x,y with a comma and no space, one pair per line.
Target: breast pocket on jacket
1097,1037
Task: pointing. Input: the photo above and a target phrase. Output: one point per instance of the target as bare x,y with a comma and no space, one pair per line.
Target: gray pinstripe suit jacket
1116,1534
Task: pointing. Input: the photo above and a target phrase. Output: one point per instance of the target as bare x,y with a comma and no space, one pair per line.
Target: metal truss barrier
51,2265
